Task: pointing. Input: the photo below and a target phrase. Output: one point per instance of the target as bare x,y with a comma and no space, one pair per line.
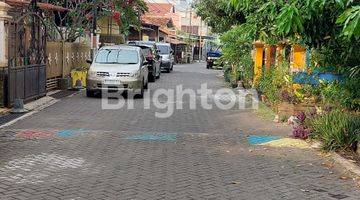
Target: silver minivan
117,68
167,58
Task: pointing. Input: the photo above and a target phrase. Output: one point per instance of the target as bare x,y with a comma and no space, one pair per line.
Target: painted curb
345,163
348,165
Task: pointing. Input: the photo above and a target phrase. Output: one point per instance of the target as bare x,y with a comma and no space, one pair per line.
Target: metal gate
27,57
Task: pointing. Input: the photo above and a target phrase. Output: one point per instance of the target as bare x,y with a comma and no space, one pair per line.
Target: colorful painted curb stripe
69,132
288,143
256,139
168,137
37,134
33,134
276,141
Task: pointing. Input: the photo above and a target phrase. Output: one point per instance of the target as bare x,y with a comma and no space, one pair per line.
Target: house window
194,30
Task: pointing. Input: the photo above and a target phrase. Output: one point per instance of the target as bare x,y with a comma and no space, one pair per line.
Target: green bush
344,94
274,82
337,130
236,50
227,73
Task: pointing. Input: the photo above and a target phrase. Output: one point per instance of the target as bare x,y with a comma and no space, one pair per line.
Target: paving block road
75,150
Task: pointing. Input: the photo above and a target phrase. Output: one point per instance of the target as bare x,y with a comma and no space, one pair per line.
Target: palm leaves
350,19
289,20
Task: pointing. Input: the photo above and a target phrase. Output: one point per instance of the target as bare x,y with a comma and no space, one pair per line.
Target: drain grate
63,94
9,117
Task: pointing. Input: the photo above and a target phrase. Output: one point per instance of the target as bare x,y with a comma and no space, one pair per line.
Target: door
27,57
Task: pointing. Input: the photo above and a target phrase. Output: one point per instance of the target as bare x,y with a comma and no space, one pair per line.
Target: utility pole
139,15
200,32
190,32
94,27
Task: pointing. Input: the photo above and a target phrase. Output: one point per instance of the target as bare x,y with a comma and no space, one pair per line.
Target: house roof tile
44,6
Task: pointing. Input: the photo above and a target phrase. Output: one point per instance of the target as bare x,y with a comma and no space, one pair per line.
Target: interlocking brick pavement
130,154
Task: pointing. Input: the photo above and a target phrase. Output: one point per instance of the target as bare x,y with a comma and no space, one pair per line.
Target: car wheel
90,93
172,67
141,95
168,70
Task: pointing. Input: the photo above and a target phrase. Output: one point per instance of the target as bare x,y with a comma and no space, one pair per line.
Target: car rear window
163,49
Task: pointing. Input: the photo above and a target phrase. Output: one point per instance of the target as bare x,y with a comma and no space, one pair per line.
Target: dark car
167,57
212,57
151,54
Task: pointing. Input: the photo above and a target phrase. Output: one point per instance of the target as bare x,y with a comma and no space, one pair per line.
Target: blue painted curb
256,139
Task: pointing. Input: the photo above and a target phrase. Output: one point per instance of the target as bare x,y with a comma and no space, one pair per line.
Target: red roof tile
44,6
158,21
159,8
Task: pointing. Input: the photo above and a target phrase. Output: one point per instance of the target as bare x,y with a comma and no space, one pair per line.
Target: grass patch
265,112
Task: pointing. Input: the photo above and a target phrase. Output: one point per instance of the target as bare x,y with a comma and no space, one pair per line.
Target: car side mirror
89,61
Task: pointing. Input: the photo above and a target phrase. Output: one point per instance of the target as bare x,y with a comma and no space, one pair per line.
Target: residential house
157,24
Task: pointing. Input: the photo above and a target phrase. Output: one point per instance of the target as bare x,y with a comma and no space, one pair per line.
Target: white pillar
3,33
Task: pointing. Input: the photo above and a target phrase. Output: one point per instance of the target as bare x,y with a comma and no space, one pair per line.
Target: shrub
301,129
236,50
344,94
301,132
276,84
337,129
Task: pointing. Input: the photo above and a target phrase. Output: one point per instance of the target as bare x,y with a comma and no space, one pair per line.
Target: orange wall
299,58
258,59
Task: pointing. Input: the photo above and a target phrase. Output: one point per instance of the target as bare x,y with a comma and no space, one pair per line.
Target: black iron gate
27,61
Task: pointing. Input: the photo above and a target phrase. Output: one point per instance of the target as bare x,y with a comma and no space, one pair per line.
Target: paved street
75,150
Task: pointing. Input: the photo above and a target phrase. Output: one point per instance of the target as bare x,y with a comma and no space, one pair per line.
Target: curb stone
348,165
345,163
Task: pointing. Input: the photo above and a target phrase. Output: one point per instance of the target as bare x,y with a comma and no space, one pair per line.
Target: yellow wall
299,58
258,61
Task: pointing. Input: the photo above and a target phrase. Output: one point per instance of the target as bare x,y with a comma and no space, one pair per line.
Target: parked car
153,58
118,68
212,58
167,57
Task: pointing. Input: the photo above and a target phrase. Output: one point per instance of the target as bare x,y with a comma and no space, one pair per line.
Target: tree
314,23
218,15
78,17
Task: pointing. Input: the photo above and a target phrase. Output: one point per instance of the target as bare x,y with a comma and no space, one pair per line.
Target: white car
118,68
